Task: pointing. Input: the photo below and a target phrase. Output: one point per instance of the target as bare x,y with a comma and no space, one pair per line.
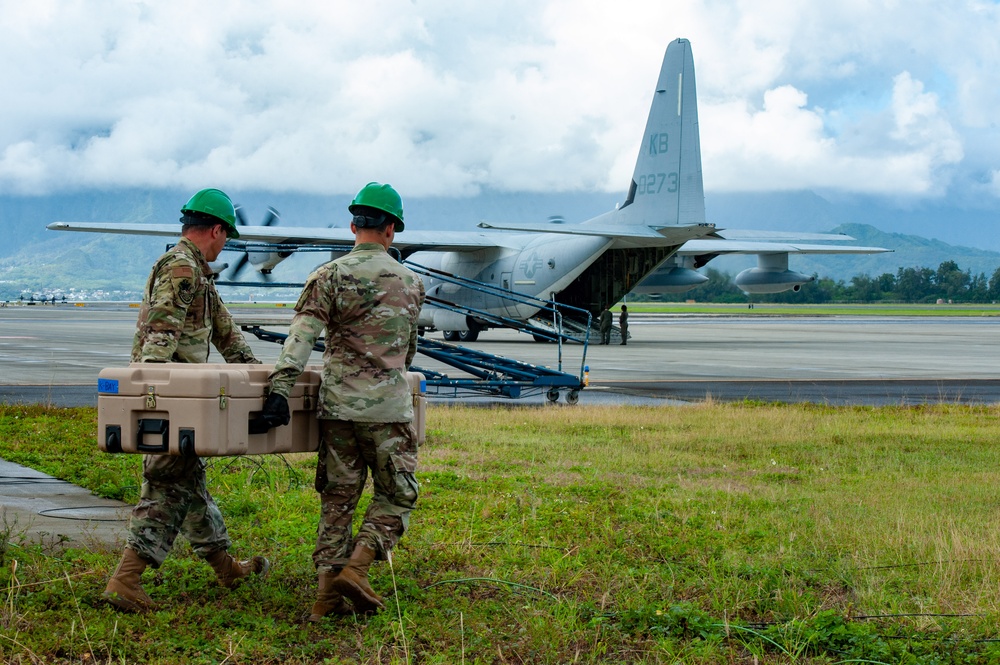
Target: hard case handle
159,426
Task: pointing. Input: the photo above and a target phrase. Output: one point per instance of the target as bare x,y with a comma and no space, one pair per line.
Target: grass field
715,533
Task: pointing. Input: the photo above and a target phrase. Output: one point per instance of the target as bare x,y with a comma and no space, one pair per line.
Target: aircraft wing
722,241
412,240
634,231
622,236
640,231
677,274
408,241
625,232
706,246
785,236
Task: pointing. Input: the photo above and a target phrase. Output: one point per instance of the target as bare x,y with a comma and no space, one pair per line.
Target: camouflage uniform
368,304
181,315
182,312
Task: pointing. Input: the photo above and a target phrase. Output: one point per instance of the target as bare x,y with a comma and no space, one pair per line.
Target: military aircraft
651,242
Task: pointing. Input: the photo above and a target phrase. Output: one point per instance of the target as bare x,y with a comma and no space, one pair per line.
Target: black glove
275,414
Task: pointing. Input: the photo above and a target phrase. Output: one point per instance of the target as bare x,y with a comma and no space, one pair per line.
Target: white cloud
438,99
992,185
786,146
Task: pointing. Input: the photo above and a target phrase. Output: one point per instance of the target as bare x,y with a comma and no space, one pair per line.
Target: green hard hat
217,204
381,197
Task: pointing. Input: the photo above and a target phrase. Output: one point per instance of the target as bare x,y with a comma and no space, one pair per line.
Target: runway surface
52,354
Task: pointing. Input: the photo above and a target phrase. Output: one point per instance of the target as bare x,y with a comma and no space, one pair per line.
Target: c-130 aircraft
650,243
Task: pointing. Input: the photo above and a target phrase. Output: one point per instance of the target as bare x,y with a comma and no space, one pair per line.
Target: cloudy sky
892,98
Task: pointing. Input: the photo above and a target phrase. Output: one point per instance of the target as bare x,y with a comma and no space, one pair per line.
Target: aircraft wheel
421,331
541,339
451,335
572,397
468,335
552,395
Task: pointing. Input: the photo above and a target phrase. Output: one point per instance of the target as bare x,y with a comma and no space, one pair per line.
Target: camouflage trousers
347,452
175,499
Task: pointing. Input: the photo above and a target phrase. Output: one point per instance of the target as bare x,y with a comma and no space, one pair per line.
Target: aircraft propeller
270,218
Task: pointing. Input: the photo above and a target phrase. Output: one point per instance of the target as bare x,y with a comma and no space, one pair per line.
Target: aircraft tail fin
667,187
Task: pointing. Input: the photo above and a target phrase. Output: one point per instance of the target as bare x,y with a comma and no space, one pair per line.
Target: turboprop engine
264,262
265,259
675,275
771,276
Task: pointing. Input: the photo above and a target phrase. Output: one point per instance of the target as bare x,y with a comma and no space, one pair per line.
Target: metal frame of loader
491,374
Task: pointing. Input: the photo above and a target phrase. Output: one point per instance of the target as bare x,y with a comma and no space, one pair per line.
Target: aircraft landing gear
470,335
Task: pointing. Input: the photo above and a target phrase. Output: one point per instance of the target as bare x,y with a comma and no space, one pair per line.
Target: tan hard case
205,410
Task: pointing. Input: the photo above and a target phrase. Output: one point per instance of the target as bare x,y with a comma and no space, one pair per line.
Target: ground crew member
368,303
181,315
623,324
605,326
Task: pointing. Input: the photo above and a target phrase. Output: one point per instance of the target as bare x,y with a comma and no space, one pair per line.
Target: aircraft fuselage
537,265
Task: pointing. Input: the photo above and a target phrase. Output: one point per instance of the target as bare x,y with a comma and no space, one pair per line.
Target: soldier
623,324
368,304
605,326
181,315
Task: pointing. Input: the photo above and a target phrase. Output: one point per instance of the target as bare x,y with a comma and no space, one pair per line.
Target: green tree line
910,285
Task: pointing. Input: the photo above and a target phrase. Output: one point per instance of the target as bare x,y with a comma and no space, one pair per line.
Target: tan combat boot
353,581
124,589
329,600
230,571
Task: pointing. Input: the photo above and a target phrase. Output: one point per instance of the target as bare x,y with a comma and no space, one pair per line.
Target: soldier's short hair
366,217
191,218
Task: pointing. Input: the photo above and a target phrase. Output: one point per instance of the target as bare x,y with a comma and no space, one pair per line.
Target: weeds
6,531
9,617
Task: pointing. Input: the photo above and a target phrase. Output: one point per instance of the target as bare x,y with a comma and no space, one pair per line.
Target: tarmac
52,355
38,509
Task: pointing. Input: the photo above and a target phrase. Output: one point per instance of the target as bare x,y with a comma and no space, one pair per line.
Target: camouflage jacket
182,313
368,303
